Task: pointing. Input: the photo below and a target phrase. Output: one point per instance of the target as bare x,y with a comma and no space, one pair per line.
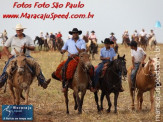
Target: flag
158,24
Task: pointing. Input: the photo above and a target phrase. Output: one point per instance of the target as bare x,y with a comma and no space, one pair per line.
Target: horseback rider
5,35
138,56
143,34
135,34
92,37
107,55
125,34
74,45
19,42
53,38
113,38
41,35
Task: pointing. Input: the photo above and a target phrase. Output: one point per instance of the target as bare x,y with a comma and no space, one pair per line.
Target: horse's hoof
115,111
79,112
108,110
75,107
67,112
101,109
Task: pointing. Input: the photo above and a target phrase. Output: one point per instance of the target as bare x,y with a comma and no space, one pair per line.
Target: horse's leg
115,101
82,99
101,99
78,100
96,99
109,102
17,96
152,99
12,93
66,101
141,100
26,96
138,100
76,105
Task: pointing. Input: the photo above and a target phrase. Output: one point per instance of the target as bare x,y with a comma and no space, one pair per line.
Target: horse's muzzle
20,70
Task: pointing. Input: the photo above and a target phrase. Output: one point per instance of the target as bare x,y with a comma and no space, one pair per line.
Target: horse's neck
80,68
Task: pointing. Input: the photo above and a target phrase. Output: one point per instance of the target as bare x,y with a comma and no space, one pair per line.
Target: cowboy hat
19,27
75,30
107,41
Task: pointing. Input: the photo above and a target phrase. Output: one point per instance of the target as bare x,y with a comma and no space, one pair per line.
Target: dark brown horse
143,42
59,43
126,41
111,82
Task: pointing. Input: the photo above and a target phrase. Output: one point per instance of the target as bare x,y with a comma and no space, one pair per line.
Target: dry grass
49,104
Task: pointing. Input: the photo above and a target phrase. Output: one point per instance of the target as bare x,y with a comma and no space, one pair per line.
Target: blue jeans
133,73
97,71
64,72
3,77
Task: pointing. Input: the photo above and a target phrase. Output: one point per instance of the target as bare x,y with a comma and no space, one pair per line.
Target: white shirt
15,42
136,34
143,33
138,54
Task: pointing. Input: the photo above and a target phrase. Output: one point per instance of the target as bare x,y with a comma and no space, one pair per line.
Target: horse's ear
102,41
17,53
124,56
118,56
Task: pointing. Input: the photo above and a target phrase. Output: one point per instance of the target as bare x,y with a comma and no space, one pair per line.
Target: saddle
71,68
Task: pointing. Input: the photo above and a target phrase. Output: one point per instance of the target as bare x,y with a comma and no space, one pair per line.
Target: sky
109,16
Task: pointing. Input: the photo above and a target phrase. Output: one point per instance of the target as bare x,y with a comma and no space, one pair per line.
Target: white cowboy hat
51,32
19,27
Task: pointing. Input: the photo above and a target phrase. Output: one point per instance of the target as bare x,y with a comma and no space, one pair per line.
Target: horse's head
121,65
152,66
20,62
84,59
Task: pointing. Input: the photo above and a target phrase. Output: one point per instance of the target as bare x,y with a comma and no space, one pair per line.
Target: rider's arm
103,58
6,50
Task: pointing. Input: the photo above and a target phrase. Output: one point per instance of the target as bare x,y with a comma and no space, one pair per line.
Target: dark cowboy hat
75,30
93,31
107,41
133,43
111,33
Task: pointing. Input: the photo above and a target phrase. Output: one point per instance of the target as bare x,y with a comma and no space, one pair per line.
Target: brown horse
59,43
80,81
21,78
125,41
143,42
145,81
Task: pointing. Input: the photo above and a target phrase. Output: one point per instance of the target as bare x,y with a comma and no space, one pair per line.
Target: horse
59,43
125,41
93,49
145,81
111,82
4,39
21,78
143,42
152,43
79,83
40,42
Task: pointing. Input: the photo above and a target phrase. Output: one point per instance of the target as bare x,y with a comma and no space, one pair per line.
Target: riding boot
44,83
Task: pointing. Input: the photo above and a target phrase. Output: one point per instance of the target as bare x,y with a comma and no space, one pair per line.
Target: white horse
152,43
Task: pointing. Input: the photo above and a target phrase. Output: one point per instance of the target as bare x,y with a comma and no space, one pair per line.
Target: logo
17,112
